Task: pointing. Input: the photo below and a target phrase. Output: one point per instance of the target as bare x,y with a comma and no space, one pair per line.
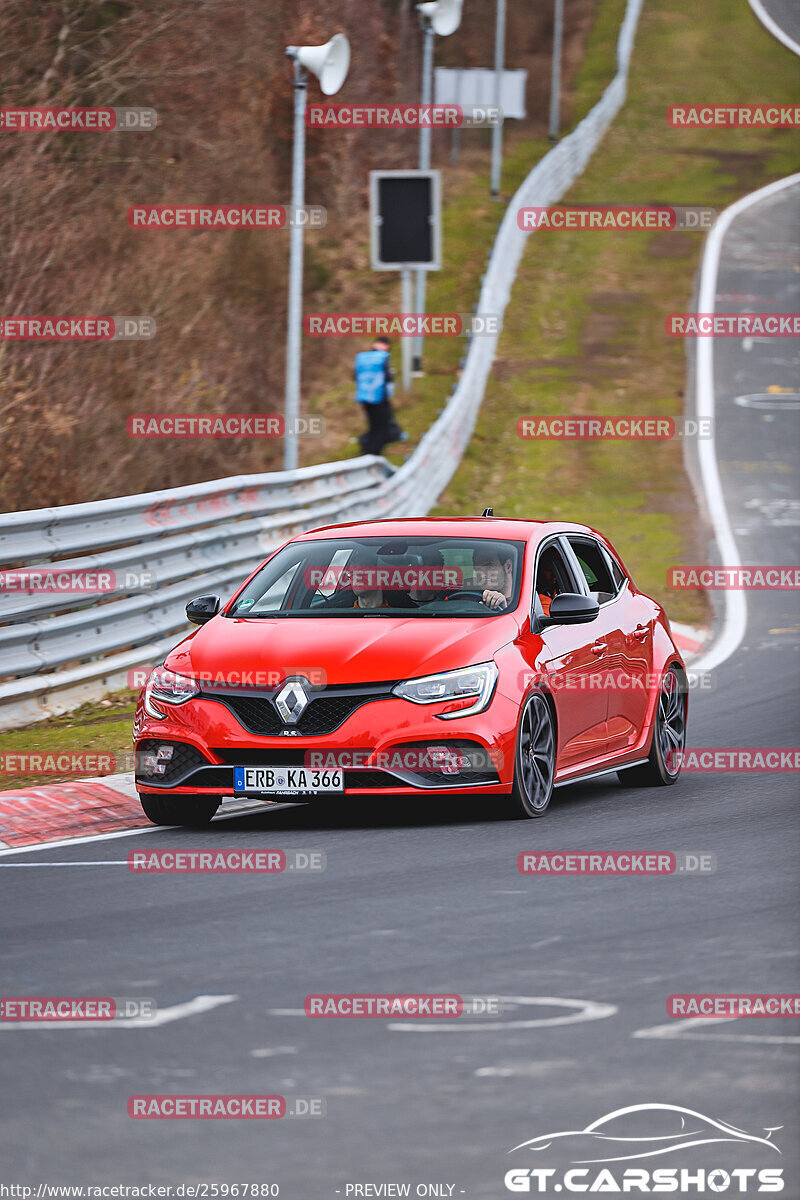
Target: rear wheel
192,811
663,765
535,759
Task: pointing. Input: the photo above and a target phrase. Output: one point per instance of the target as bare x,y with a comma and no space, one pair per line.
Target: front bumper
209,740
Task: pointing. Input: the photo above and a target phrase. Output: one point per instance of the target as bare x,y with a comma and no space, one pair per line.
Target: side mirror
570,608
202,609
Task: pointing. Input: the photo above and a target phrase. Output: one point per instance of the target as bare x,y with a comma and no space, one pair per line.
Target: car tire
534,759
669,734
192,811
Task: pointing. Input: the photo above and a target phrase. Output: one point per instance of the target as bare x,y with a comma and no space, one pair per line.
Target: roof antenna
488,512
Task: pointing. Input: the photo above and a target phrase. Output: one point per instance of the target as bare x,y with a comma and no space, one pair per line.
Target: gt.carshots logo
647,1131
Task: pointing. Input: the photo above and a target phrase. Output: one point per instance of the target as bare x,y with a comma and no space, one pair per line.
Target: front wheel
192,811
663,765
535,759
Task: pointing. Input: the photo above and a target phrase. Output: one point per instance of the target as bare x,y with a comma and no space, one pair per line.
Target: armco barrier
56,653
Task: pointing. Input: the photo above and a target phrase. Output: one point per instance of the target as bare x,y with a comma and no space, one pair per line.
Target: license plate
286,781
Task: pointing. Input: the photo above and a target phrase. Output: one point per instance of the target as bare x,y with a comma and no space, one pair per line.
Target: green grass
584,332
102,728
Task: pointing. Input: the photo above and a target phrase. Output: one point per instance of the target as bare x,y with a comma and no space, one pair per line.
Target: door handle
641,632
598,647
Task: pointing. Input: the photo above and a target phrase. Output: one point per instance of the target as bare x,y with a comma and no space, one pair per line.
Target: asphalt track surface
429,899
785,14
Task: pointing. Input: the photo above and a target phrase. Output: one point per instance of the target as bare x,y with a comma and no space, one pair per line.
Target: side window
617,573
595,567
553,577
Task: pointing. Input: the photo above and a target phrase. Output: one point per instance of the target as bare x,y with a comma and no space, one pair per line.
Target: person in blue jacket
374,378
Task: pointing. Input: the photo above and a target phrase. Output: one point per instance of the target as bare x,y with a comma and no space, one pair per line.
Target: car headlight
168,687
452,685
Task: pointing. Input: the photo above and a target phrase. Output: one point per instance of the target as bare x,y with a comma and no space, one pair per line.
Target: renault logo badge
291,701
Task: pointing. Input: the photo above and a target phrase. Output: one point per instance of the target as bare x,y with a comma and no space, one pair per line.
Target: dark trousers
377,432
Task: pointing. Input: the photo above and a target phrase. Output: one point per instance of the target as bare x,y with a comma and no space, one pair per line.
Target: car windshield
357,577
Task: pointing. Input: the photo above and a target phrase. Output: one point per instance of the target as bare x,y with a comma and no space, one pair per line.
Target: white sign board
476,85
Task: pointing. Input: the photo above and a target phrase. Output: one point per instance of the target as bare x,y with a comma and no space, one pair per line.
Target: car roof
509,528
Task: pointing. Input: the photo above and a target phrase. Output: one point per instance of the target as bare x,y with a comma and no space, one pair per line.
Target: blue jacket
373,375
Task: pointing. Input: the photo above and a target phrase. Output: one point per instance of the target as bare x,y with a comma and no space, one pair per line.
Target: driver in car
494,573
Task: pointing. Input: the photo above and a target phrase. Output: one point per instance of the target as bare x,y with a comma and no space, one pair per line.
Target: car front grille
327,709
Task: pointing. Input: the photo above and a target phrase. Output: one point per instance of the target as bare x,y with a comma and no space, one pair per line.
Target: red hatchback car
501,658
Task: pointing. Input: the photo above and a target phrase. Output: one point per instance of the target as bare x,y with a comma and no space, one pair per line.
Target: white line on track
677,1029
121,833
735,620
587,1010
163,1016
772,25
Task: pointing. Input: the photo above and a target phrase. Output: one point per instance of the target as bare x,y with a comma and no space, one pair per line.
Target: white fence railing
57,651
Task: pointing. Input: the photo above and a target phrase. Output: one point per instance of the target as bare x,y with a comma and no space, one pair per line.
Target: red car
494,657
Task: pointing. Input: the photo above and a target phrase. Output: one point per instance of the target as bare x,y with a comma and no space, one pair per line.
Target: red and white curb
83,810
690,640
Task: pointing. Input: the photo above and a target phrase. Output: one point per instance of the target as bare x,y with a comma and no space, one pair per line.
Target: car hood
338,650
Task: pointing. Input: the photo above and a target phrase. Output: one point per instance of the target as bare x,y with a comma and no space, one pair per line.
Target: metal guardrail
57,651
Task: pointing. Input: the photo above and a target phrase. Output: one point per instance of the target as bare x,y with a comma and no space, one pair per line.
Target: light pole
499,60
555,79
330,64
442,17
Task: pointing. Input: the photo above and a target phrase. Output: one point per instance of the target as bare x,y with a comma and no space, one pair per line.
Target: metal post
405,343
456,140
555,82
295,313
499,60
424,162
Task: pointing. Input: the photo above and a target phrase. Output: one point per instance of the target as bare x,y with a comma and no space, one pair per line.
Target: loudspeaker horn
330,63
444,15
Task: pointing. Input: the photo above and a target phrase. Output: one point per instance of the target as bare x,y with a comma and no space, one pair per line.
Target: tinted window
595,567
553,576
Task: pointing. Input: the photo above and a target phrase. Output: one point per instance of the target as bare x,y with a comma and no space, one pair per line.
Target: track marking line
163,1016
677,1029
587,1010
772,25
735,619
